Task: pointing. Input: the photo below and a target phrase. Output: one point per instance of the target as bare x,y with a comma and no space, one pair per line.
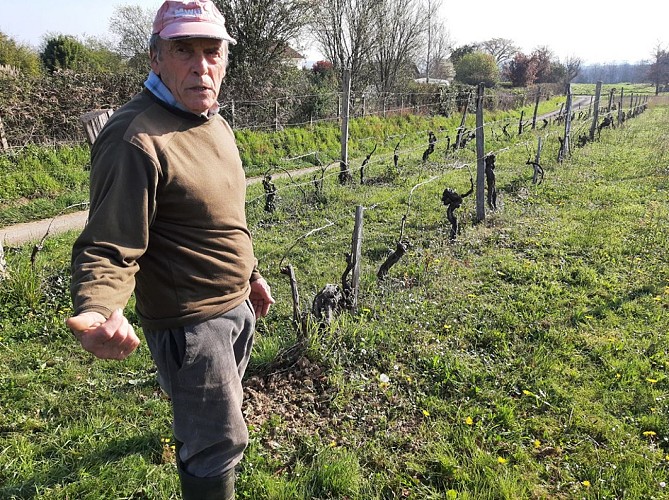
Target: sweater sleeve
123,189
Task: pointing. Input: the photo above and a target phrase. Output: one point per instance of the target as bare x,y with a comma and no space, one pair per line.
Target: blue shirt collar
160,90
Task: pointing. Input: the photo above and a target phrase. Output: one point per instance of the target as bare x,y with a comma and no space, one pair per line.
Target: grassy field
526,359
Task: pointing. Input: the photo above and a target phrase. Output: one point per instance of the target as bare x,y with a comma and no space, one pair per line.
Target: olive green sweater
167,218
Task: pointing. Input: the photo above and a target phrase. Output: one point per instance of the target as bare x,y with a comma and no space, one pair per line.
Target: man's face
193,69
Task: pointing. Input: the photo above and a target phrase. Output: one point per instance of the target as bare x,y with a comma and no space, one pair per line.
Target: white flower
384,378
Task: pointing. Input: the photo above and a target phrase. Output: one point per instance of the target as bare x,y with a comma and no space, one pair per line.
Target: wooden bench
93,121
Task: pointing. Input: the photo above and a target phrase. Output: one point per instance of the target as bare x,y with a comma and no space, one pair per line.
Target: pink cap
190,19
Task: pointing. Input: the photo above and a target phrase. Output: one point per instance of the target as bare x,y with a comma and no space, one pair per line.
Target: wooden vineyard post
297,315
537,161
344,174
4,145
480,153
461,128
621,113
356,255
536,108
595,117
564,150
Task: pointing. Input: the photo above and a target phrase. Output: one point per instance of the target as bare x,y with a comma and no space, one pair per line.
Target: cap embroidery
184,12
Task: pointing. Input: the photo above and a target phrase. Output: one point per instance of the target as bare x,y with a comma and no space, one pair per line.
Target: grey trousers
200,367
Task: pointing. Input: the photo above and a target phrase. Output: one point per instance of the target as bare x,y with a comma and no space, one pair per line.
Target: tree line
385,44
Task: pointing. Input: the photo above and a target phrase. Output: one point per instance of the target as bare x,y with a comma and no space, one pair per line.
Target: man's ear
153,58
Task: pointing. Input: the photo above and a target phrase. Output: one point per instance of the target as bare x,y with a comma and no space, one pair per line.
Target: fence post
520,122
4,145
461,128
536,108
595,118
344,173
565,149
480,153
620,107
276,114
356,255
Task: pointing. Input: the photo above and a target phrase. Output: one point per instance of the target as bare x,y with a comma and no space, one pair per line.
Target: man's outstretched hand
106,338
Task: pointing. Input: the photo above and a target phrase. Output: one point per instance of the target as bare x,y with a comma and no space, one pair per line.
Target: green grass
527,359
628,88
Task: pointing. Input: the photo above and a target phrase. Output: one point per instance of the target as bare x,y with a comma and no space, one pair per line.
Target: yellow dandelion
657,298
471,295
528,393
586,483
536,443
426,413
501,460
650,433
651,380
469,421
447,327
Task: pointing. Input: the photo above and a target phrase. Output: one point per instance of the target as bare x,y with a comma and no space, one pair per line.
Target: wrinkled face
193,69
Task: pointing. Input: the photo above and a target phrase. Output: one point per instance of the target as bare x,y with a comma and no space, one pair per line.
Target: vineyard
522,354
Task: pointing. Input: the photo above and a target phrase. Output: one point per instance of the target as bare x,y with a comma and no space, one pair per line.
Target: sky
596,31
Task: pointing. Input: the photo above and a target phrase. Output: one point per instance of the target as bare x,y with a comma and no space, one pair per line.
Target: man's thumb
84,321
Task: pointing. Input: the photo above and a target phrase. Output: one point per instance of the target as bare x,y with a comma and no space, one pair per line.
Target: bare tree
437,45
440,51
401,27
659,68
264,30
345,32
132,26
502,49
572,68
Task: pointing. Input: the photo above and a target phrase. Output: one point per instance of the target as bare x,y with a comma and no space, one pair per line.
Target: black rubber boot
205,488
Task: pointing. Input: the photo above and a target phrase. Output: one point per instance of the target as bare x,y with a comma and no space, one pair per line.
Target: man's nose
199,64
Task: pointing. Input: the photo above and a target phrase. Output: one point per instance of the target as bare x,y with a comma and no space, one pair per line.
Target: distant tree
477,67
463,50
132,26
64,52
263,30
343,29
401,28
543,59
502,49
572,68
438,63
522,70
102,59
659,68
19,56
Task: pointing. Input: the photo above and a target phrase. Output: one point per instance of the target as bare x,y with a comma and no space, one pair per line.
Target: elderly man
167,221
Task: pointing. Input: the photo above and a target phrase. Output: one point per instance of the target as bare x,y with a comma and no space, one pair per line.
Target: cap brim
196,30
